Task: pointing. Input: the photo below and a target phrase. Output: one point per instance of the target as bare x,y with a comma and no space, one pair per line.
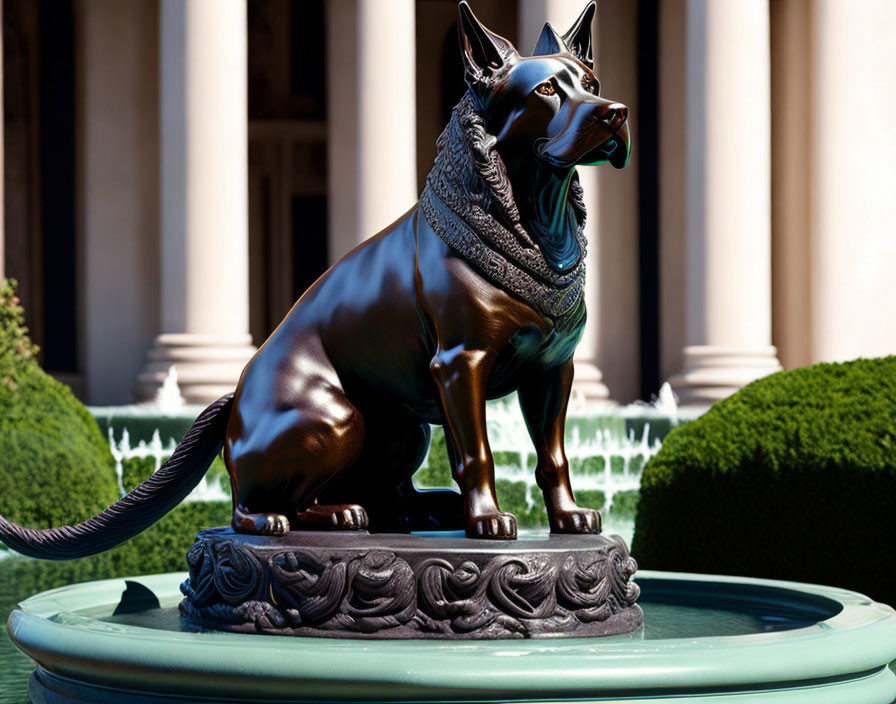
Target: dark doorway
649,196
287,156
39,168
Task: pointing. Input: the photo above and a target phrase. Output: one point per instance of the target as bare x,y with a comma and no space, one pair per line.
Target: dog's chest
532,348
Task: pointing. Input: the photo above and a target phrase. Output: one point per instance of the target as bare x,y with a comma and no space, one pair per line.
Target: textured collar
468,202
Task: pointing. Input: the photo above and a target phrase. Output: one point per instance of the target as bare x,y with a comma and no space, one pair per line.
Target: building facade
177,172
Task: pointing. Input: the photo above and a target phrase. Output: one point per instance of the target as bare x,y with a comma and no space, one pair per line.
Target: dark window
57,137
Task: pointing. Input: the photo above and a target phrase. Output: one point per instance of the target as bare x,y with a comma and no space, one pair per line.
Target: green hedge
55,466
793,477
16,348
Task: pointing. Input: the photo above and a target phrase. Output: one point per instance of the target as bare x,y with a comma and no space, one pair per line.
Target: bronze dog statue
475,292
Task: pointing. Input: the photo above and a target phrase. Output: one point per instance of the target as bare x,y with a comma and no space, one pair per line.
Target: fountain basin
706,639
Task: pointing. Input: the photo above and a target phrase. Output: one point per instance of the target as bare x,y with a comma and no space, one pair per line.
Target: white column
117,192
853,208
204,192
589,384
371,108
728,200
619,341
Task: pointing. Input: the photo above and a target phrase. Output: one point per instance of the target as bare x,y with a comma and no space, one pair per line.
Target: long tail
145,505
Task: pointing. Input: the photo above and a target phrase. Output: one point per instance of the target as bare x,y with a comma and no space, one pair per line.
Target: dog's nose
612,115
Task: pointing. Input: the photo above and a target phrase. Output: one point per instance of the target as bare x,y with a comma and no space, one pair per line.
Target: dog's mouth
614,149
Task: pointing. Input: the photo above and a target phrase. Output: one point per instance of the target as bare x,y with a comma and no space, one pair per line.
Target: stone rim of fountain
842,657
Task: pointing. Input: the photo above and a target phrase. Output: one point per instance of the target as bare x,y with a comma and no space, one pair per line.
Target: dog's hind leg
324,516
259,523
431,509
394,447
282,461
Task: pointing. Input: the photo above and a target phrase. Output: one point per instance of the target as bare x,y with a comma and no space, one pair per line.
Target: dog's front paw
579,520
500,526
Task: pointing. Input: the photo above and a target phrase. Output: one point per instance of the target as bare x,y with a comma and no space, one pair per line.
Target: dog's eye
546,88
589,84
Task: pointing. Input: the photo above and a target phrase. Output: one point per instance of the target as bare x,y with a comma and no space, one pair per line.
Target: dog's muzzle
605,123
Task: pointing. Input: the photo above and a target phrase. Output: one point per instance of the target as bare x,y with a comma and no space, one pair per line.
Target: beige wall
117,182
616,66
792,125
673,196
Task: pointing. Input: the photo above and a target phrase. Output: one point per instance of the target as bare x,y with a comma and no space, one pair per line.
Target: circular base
706,639
357,585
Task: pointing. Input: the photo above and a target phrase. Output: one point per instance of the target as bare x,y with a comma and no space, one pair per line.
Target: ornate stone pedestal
357,585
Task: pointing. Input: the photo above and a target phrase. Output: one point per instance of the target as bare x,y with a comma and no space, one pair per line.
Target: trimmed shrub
793,477
55,466
16,348
135,471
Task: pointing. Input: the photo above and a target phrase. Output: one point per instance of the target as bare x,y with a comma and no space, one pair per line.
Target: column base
588,383
713,372
208,366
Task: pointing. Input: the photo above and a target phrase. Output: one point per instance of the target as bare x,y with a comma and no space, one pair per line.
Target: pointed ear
484,53
549,42
578,38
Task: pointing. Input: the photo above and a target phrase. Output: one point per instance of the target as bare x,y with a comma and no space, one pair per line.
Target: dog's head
547,104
